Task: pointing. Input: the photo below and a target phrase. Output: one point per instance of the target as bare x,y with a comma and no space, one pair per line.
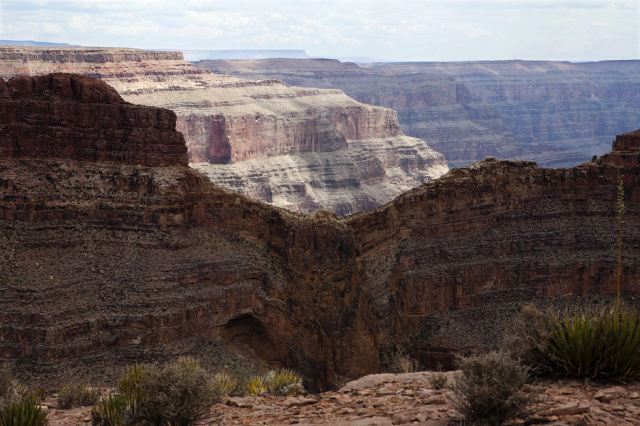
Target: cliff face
230,121
553,113
110,260
462,253
106,262
33,129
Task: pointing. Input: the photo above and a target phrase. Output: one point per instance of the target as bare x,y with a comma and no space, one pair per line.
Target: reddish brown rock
78,118
107,260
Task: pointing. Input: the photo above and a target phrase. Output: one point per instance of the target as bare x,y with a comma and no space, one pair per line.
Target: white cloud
399,29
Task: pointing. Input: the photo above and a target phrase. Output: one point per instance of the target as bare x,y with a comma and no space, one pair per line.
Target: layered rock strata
299,148
553,113
120,257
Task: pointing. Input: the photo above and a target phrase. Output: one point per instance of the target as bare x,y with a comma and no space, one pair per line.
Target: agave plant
23,412
600,345
109,411
225,383
257,386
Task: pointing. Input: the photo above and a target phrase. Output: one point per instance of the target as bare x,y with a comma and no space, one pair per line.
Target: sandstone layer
126,256
553,113
300,148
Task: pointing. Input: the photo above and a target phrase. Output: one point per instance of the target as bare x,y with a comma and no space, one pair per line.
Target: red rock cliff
37,123
108,261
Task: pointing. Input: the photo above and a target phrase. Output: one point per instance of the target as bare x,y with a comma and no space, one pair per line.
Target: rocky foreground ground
399,399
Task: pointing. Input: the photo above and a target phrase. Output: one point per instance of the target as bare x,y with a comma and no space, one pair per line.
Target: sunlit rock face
557,114
301,148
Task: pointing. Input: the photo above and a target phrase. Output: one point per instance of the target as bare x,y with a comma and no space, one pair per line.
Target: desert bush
283,382
257,386
438,380
276,382
488,390
16,399
110,411
25,411
598,344
77,395
399,361
527,337
179,394
130,385
225,383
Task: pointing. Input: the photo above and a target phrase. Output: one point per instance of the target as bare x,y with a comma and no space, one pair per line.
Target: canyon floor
399,399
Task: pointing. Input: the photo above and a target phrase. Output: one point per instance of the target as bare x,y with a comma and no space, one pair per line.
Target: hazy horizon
411,30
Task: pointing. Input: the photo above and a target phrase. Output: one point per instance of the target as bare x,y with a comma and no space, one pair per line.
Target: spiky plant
77,395
438,380
110,411
257,386
283,382
599,345
225,383
23,412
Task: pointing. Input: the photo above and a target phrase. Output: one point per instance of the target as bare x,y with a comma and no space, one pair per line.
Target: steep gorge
115,251
557,114
300,148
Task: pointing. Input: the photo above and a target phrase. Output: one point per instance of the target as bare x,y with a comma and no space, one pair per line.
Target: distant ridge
198,55
31,43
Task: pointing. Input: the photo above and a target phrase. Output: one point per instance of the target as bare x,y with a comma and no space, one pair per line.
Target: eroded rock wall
230,121
108,261
557,114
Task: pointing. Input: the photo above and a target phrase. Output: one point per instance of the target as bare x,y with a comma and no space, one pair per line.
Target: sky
430,30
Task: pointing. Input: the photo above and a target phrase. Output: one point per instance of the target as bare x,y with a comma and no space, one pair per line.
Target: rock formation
409,399
299,148
554,113
115,251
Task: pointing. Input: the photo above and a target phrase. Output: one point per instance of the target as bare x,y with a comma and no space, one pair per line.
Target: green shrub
23,412
276,382
598,344
225,383
257,386
438,380
179,394
130,385
488,390
77,395
283,382
110,411
527,339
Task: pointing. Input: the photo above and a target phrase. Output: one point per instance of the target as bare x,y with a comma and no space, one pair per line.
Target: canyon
116,251
300,148
557,114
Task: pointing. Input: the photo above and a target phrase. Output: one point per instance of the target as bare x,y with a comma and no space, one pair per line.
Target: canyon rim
321,213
